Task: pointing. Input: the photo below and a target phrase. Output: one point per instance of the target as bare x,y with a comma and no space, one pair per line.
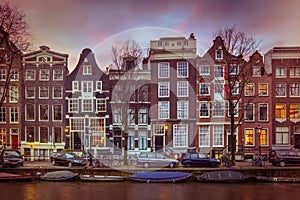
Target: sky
69,26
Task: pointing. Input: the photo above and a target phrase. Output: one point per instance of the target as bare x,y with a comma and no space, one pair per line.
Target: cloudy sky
69,26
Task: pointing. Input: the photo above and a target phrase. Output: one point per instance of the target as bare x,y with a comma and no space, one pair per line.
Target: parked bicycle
259,160
227,162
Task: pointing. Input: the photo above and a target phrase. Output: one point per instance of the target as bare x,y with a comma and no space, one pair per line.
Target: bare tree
14,32
238,46
126,83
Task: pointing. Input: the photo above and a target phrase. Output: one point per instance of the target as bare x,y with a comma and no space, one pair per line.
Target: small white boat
95,178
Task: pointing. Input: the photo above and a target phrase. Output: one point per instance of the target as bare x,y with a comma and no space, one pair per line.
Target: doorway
159,142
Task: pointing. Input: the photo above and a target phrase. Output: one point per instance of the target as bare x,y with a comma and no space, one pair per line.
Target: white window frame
182,89
87,69
218,135
163,70
14,115
61,112
182,109
180,135
28,76
208,109
87,105
202,87
259,85
204,136
61,92
44,72
13,94
56,72
100,103
260,105
280,89
75,86
204,70
218,112
182,69
2,74
73,103
247,107
163,110
98,86
40,92
217,57
280,72
26,92
163,89
295,90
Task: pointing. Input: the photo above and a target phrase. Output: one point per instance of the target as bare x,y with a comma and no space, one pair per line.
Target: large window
263,112
204,70
143,95
204,109
13,94
204,136
280,111
182,70
87,87
142,140
30,92
101,105
57,112
131,143
182,89
282,136
218,135
163,89
14,114
294,90
182,109
117,117
280,72
204,89
219,72
180,135
30,75
44,92
2,115
57,134
163,110
44,112
14,75
87,105
249,137
44,135
249,112
29,112
218,109
249,89
29,134
57,92
77,124
44,75
142,116
263,89
280,90
294,111
263,137
57,74
294,72
163,70
73,106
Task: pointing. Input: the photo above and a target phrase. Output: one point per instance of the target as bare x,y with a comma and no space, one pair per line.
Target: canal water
143,191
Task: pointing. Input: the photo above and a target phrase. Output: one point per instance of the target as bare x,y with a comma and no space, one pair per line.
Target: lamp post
258,134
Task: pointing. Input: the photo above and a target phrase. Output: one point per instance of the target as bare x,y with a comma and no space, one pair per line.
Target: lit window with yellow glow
280,111
294,111
263,89
249,89
263,138
249,137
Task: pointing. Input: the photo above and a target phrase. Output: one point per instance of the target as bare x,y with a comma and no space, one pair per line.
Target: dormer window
87,69
219,54
256,71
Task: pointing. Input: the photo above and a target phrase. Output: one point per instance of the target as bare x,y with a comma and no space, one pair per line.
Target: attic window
219,54
87,69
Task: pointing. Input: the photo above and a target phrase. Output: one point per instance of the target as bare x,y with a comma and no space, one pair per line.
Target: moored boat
160,177
95,178
278,179
226,176
15,177
63,175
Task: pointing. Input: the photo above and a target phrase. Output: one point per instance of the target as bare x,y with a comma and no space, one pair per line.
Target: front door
77,141
159,143
14,141
117,145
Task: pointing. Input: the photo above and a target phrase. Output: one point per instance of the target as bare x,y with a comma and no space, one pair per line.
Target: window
218,135
131,116
294,72
218,109
163,70
219,72
57,112
249,137
87,105
87,87
101,105
182,89
44,112
117,117
263,112
249,89
29,112
219,54
163,89
57,134
142,116
280,111
77,124
131,144
13,94
87,69
263,137
204,136
282,136
204,89
294,111
235,108
97,124
29,134
294,90
256,71
14,75
182,109
3,136
1,92
99,86
235,88
2,115
182,70
57,74
218,91
163,110
233,69
204,70
44,92
263,89
30,75
73,106
75,86
142,140
180,135
280,90
249,112
44,135
14,115
2,74
204,109
57,92
30,92
44,75
280,72
143,95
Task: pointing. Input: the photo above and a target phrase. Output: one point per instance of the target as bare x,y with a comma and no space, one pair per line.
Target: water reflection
142,191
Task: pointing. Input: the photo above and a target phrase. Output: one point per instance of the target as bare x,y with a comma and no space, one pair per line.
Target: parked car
198,160
283,157
154,159
67,158
11,158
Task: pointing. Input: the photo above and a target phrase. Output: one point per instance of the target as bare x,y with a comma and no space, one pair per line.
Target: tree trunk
125,160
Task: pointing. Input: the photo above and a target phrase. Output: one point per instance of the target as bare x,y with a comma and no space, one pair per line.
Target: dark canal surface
142,191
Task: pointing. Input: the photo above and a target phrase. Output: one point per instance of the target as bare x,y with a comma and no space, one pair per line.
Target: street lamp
259,133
